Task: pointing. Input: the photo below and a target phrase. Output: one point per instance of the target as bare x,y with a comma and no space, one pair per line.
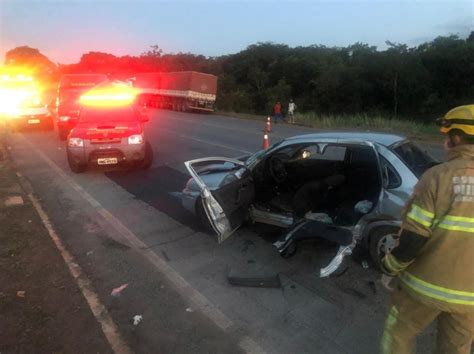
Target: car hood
106,130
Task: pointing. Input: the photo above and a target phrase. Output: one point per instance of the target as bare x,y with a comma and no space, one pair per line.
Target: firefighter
434,260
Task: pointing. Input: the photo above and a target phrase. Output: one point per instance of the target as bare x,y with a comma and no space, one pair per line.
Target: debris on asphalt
365,264
354,292
189,310
137,319
15,200
256,282
89,253
165,256
29,221
372,287
117,291
21,293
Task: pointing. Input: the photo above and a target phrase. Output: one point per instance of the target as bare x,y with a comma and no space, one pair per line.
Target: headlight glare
135,139
75,142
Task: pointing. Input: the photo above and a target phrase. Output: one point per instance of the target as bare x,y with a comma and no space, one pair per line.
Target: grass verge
362,122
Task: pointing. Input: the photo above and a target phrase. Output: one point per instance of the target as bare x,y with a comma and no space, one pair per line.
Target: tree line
417,83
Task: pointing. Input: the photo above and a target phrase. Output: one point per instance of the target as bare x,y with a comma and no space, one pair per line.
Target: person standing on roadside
277,112
434,259
291,111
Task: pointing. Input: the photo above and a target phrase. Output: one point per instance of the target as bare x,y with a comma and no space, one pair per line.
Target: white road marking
228,147
109,328
198,300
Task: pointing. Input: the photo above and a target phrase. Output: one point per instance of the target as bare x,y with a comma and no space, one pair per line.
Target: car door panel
226,205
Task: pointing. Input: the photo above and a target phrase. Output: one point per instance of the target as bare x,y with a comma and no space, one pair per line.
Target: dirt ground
41,307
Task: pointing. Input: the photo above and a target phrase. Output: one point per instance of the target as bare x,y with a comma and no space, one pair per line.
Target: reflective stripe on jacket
442,209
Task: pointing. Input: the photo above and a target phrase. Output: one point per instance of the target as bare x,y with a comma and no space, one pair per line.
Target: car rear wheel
75,166
382,241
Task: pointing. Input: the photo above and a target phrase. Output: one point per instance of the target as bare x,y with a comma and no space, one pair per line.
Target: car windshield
415,158
123,114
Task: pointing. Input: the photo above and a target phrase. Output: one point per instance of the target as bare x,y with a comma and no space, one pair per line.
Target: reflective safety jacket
442,210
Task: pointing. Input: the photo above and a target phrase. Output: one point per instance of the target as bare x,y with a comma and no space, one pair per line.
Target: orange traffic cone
266,142
268,125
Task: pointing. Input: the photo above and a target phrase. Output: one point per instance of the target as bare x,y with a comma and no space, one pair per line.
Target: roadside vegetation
362,122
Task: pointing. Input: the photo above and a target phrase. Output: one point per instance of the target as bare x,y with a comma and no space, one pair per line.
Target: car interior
318,178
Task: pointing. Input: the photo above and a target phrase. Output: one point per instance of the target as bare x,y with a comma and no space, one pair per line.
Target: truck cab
70,90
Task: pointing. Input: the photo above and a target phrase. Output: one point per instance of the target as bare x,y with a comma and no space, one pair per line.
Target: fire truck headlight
75,142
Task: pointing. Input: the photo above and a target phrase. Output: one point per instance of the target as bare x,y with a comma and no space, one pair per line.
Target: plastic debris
21,293
137,319
15,200
90,253
189,310
365,264
117,291
363,206
322,217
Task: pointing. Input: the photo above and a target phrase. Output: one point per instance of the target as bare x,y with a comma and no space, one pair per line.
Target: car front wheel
382,241
148,160
75,166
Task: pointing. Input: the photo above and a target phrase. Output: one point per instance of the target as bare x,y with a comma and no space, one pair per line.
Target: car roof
385,139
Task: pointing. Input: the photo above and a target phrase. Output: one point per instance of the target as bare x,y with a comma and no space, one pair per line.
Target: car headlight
135,139
64,118
75,142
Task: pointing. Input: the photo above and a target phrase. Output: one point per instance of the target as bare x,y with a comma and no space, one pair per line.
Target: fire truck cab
109,131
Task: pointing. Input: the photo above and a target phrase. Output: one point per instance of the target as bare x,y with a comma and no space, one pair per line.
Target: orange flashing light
114,96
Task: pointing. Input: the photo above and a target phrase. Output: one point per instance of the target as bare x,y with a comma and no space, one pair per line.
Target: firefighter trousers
408,317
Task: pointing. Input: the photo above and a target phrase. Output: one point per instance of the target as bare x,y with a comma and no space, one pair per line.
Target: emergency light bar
110,96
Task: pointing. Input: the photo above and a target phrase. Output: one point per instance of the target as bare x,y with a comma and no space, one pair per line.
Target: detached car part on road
109,136
348,188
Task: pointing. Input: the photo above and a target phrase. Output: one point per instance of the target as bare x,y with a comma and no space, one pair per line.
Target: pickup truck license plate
33,121
107,161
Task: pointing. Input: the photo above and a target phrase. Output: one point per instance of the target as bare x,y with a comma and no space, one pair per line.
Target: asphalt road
127,227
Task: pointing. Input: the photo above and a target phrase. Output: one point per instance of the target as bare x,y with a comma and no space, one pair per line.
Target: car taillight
75,142
135,139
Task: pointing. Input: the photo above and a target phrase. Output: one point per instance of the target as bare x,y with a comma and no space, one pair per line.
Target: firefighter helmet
461,118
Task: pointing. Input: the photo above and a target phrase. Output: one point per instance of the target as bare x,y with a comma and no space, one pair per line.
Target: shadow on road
154,187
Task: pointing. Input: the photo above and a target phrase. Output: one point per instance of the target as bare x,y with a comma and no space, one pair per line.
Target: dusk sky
64,30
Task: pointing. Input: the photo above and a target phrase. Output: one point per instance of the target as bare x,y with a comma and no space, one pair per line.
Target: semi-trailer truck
180,91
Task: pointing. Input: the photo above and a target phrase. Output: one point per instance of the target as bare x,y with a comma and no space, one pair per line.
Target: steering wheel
277,169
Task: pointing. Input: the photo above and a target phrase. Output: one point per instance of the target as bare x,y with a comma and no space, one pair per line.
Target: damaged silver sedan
348,188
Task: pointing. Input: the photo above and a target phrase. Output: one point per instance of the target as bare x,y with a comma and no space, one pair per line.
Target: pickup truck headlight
75,142
64,118
135,139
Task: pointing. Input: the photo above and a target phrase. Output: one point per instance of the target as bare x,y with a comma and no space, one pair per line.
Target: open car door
227,190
